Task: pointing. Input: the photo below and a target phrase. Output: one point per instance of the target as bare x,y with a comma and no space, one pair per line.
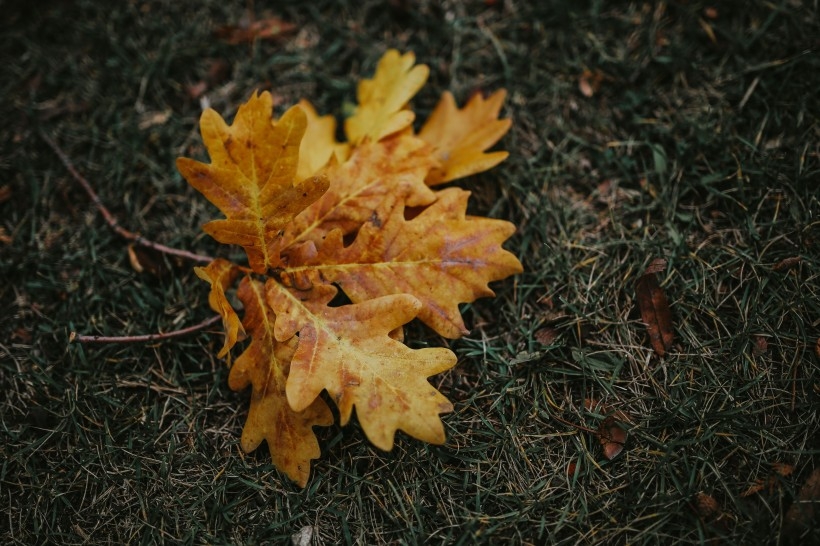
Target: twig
80,338
110,219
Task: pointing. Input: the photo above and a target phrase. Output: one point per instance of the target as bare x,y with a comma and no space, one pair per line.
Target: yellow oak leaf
264,365
319,143
221,274
442,257
461,137
382,100
395,166
251,177
347,350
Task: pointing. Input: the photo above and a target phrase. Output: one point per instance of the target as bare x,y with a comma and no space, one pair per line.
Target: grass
701,145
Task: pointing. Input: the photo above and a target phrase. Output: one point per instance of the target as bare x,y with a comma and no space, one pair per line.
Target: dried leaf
442,257
348,352
251,177
612,437
786,263
374,172
546,335
364,220
461,137
264,365
220,274
319,143
707,507
654,307
269,28
382,100
611,434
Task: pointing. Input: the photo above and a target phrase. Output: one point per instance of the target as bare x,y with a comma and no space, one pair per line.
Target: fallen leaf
5,238
442,257
347,351
5,193
611,435
263,365
373,172
269,28
786,263
706,506
341,261
654,308
460,138
319,143
251,177
546,335
382,100
220,274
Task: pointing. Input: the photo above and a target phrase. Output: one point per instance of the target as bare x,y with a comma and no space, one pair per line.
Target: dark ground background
687,130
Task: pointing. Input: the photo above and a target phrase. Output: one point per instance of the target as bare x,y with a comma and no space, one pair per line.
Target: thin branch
110,219
80,338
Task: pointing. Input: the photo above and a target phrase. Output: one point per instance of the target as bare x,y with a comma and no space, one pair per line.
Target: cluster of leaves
316,216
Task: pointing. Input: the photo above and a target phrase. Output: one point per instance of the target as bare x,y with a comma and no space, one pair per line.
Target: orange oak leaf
251,177
382,100
461,137
319,143
221,274
374,171
264,365
442,257
347,351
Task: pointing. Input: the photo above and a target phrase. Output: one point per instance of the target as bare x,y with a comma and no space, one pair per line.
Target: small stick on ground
110,219
80,338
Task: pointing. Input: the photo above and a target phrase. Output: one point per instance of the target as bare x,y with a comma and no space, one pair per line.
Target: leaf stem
80,338
110,219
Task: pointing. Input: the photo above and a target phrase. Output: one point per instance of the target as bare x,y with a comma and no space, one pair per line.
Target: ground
683,130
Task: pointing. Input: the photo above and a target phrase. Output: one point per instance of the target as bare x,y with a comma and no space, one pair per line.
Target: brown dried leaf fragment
654,308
